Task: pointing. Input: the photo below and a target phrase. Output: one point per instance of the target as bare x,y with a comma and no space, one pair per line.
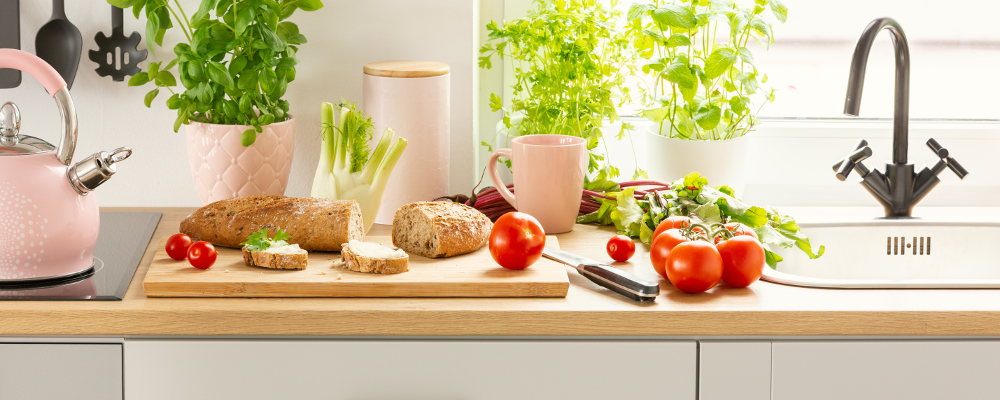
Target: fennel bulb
347,170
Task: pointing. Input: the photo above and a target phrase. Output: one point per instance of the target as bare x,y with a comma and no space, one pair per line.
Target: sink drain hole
897,245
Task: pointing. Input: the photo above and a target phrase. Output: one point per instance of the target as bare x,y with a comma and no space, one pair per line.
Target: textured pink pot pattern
224,169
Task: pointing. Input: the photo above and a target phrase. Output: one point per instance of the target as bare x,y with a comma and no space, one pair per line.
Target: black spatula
60,44
10,38
117,55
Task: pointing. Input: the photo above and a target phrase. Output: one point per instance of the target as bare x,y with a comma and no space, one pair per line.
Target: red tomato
177,246
517,240
202,255
694,267
742,260
621,248
675,222
661,247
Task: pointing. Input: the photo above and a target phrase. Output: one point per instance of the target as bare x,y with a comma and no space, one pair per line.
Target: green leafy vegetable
253,36
691,196
258,241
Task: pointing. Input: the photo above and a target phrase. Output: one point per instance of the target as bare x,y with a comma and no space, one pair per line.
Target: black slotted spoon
115,49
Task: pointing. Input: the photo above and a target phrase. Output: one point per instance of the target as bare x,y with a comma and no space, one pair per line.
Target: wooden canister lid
406,69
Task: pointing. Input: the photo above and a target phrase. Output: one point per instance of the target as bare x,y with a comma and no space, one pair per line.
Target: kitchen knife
619,281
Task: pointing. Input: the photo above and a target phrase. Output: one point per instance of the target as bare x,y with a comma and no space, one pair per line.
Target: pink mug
548,178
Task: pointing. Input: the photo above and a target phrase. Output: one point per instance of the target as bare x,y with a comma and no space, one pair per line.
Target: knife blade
619,281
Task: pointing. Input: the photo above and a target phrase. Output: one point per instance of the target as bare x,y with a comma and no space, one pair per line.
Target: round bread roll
439,229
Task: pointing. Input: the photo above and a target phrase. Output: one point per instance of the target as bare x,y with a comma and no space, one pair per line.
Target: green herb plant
258,241
570,59
691,196
237,62
704,82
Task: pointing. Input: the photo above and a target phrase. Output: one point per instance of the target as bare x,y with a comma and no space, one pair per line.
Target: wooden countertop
764,309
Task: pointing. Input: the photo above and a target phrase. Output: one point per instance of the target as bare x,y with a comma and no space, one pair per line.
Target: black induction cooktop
120,244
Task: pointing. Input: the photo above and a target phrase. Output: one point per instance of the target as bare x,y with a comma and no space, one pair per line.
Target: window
954,52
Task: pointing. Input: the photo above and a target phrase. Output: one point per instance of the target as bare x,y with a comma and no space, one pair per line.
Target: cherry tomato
742,260
694,267
621,248
517,240
202,255
675,222
661,247
737,229
177,246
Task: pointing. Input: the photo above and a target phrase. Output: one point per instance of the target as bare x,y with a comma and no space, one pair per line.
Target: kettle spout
92,171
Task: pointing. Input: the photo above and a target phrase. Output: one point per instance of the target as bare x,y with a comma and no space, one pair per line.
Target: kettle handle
56,86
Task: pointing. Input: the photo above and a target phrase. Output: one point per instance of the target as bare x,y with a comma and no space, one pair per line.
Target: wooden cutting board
469,275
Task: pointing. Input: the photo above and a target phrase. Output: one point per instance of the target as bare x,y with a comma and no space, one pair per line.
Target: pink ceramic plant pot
224,169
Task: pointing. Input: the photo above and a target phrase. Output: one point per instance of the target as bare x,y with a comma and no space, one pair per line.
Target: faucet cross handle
946,160
853,161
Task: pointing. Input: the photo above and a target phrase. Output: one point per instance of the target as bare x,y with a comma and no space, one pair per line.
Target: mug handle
495,177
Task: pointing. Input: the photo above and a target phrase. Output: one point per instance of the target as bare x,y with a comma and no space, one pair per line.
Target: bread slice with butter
374,258
263,251
281,257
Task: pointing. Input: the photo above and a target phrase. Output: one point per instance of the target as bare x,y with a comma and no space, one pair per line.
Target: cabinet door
413,370
885,370
734,370
60,371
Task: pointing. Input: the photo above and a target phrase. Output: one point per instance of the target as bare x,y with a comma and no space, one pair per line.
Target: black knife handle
621,282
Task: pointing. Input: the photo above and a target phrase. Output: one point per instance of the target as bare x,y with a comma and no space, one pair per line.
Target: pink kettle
48,219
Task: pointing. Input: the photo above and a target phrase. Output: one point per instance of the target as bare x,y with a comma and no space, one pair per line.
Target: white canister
412,98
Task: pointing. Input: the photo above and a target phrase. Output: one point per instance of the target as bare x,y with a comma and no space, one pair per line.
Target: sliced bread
374,258
439,229
284,257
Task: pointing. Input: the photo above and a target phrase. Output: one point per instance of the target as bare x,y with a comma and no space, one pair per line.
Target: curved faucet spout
856,82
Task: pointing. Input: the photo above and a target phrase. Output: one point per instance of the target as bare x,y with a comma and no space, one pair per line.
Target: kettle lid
12,144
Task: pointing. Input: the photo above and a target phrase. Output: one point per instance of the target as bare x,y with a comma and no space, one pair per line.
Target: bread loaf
439,229
360,257
314,224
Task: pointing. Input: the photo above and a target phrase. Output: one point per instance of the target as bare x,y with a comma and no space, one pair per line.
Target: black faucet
899,189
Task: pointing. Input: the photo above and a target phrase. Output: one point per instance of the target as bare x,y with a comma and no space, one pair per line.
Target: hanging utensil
117,55
60,44
10,38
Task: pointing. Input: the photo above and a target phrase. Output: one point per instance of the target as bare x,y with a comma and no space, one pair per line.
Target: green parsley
639,216
259,241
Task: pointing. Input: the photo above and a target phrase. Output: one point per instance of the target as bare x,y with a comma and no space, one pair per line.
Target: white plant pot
722,162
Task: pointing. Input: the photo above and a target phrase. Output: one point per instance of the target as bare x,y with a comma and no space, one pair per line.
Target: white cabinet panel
885,370
60,371
413,370
734,370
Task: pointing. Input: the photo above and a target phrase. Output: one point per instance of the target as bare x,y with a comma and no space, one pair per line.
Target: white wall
343,36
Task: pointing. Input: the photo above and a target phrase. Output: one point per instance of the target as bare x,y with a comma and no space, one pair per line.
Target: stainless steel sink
896,253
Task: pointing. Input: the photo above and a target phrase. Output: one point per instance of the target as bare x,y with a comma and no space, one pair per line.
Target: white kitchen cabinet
862,370
49,371
734,370
413,370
